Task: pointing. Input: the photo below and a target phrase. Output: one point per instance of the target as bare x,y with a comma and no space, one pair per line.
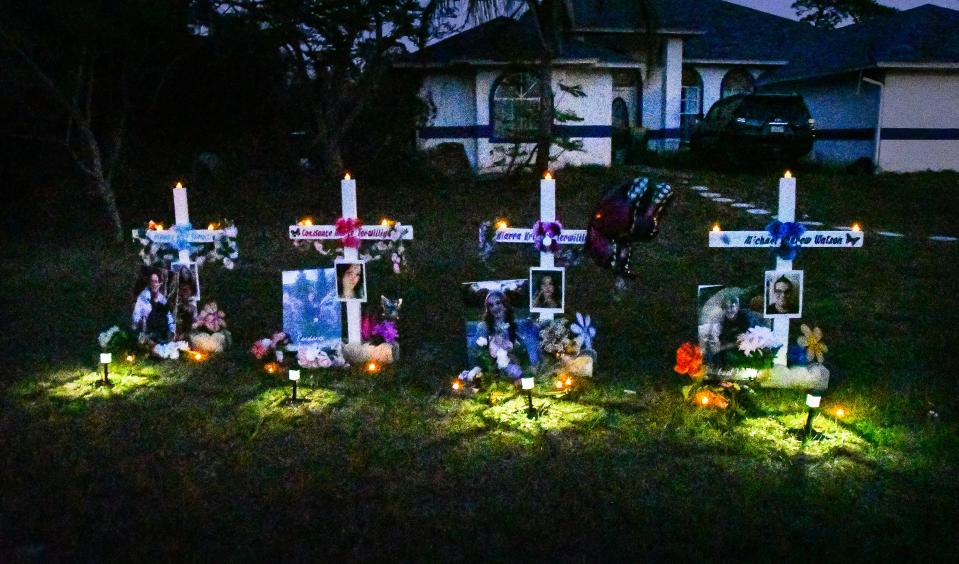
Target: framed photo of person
311,312
350,280
547,289
783,293
499,307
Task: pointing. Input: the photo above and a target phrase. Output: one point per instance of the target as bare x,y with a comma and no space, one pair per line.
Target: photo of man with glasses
784,293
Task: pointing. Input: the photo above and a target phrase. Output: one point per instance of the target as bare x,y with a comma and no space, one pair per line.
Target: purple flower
546,235
387,330
514,371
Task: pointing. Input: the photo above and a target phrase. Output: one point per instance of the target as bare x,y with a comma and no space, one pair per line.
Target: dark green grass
184,460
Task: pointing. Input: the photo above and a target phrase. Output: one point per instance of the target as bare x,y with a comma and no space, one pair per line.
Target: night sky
782,7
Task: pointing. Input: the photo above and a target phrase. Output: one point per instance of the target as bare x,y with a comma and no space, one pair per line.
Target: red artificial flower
689,361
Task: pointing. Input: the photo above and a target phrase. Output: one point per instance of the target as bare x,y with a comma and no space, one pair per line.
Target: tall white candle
787,198
181,211
348,194
547,198
353,314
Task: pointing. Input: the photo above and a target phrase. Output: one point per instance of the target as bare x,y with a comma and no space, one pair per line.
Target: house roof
923,36
505,40
676,16
734,32
714,31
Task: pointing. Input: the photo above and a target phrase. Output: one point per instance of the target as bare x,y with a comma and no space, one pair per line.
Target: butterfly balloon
627,213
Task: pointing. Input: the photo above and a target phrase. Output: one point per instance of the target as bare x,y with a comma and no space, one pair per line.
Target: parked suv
755,125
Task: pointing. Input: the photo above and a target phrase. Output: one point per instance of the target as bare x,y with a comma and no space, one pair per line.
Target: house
884,90
653,68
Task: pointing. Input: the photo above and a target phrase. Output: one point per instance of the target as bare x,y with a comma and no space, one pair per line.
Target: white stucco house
888,83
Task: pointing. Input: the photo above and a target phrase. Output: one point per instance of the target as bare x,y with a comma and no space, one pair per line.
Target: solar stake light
812,402
105,360
294,376
527,385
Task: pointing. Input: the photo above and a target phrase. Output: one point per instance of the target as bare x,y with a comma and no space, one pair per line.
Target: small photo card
350,280
547,289
783,293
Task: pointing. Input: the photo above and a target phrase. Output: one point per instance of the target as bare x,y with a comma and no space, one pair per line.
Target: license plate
777,129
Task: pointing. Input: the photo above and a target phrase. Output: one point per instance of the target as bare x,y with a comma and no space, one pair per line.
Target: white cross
762,239
180,232
367,233
547,213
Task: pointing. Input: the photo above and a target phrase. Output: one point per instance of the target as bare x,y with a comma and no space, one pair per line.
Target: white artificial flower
228,264
754,339
481,342
104,338
502,359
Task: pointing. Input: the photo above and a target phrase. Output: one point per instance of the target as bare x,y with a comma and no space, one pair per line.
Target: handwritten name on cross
763,239
367,233
182,235
547,213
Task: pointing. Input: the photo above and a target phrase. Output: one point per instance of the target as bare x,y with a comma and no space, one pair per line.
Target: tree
95,64
830,13
337,55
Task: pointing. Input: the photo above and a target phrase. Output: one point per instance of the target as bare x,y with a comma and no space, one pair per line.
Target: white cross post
547,212
367,233
762,239
173,236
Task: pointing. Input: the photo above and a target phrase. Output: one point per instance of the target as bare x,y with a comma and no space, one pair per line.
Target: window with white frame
515,109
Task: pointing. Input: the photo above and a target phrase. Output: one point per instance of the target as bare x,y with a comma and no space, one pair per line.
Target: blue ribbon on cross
181,234
788,233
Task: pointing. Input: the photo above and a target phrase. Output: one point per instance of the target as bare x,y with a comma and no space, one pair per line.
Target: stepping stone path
705,192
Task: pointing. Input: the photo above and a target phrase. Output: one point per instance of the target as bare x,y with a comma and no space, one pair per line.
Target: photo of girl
547,290
351,281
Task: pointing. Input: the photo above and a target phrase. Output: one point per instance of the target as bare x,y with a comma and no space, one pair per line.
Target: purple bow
546,236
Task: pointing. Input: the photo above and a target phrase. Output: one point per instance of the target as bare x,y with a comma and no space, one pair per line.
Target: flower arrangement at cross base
567,349
704,393
209,333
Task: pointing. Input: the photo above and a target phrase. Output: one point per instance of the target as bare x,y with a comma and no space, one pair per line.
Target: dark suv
755,125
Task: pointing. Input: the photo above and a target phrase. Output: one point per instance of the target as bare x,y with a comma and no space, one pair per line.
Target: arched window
737,81
515,108
691,102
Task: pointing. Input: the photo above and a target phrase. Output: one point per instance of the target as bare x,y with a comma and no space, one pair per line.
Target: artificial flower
105,337
811,339
210,318
313,357
755,339
514,371
470,375
546,235
387,330
584,330
170,350
689,361
481,342
261,348
502,359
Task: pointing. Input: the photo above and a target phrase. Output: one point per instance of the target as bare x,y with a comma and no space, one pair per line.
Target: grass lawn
185,460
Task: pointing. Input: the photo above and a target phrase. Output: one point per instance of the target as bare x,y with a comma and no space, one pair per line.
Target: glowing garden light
840,412
271,367
372,367
131,357
197,356
457,385
294,376
527,385
105,360
812,402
